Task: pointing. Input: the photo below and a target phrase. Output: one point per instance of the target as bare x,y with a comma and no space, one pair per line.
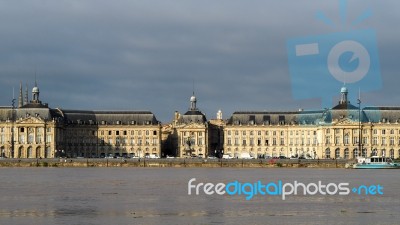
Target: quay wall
180,163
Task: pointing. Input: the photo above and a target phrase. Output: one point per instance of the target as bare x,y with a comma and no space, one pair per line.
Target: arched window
346,153
364,152
391,153
337,153
355,153
29,152
328,153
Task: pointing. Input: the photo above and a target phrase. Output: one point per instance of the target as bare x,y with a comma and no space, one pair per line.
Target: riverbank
179,163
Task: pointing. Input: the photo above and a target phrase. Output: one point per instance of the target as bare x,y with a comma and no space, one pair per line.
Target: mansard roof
192,116
109,117
44,113
368,114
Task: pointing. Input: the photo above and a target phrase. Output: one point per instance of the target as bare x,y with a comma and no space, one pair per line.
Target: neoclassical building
33,130
329,133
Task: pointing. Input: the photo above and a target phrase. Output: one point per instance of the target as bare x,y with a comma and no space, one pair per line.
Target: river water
160,196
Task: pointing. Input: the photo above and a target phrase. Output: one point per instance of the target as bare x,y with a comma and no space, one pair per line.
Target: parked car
226,156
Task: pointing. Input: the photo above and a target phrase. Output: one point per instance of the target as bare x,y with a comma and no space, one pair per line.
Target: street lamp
359,125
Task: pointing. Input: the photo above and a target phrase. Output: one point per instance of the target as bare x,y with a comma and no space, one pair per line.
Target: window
244,142
48,129
274,141
346,153
22,130
327,153
147,133
375,131
259,141
282,141
337,153
337,140
229,132
236,141
117,132
30,138
244,133
328,140
383,141
229,141
251,133
375,140
383,131
154,133
236,133
22,139
391,141
200,141
391,153
125,133
259,133
48,139
109,132
328,131
391,131
251,141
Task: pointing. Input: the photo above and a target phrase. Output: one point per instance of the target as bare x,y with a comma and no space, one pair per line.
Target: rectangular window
125,133
251,141
244,142
383,141
383,131
375,140
337,140
154,133
274,141
229,141
48,138
109,132
282,141
117,132
200,141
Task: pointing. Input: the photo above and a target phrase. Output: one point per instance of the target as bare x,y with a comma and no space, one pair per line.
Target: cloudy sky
135,55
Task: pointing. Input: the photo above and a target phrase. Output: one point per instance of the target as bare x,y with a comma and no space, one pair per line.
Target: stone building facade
33,130
329,133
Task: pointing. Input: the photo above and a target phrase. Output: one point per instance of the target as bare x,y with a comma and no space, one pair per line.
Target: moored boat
375,162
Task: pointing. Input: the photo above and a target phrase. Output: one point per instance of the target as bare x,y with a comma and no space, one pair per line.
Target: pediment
30,120
346,121
192,126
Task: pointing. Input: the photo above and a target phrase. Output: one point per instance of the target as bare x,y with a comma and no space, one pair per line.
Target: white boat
375,162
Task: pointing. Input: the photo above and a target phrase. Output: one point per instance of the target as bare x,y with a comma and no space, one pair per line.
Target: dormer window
118,122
